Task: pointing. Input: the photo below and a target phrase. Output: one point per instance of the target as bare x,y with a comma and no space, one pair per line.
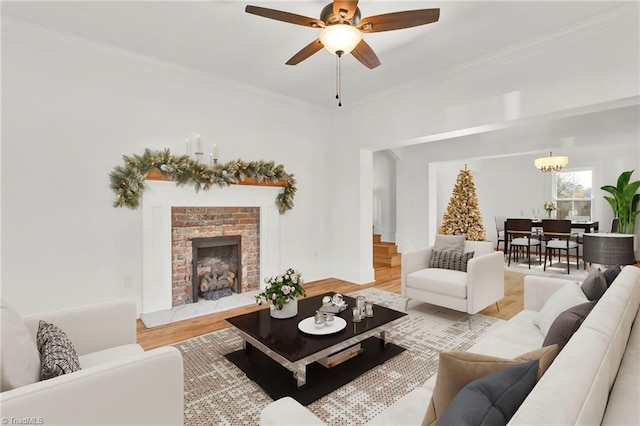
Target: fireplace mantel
156,175
157,202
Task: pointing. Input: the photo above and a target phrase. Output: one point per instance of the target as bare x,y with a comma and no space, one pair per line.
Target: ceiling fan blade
345,8
398,20
305,52
365,54
279,15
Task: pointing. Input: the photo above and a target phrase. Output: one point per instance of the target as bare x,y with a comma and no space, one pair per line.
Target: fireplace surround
157,203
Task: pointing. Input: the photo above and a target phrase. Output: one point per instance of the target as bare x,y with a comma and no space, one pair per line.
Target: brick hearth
203,222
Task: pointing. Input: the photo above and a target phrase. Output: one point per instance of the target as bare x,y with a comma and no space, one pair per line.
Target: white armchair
119,383
470,292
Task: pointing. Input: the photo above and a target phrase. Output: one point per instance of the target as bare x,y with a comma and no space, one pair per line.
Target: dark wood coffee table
282,341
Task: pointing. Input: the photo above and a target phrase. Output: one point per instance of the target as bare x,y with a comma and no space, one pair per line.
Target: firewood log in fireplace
206,283
217,282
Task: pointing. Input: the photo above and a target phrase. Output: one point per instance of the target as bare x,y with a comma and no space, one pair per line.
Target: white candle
215,151
211,158
199,146
188,146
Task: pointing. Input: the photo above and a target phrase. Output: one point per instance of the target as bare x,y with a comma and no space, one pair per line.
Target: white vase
289,309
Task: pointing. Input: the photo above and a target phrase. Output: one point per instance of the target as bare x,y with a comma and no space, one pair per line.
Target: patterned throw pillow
57,354
450,260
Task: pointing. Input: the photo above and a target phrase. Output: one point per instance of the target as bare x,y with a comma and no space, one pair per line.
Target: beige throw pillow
449,242
458,369
20,364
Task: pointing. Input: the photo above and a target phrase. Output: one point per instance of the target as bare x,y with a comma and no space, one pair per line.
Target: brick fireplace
207,228
158,201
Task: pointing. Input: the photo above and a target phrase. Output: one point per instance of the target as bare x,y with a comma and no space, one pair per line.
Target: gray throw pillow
492,399
57,354
611,274
450,260
594,285
449,242
566,324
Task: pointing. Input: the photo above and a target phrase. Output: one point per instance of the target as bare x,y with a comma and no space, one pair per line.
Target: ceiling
219,38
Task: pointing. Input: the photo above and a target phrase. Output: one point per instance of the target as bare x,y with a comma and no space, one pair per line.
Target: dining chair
614,225
557,235
500,232
520,235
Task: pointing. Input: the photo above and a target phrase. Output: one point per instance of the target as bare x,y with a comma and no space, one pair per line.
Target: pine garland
127,181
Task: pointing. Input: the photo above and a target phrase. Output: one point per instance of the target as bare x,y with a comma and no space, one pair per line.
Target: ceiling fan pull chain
337,87
339,77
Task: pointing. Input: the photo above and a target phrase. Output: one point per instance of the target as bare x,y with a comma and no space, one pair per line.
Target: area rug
216,392
556,270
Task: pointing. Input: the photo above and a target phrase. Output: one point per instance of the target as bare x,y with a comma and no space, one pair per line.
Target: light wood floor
150,338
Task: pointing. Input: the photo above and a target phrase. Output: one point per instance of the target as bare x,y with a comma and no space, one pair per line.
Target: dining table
586,225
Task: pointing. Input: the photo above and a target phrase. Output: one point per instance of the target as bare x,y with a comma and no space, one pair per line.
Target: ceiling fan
342,29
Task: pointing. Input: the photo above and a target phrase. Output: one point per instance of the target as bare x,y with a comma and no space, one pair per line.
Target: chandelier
551,163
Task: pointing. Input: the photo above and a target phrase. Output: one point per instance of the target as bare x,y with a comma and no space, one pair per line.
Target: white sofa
470,292
119,383
595,379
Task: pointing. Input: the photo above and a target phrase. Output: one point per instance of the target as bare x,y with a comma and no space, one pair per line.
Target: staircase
386,260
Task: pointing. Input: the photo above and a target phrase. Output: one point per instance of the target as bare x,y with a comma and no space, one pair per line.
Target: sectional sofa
595,379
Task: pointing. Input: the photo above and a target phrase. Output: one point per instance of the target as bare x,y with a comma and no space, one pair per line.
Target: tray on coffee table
308,325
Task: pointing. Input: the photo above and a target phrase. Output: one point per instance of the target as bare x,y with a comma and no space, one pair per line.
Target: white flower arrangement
282,288
549,206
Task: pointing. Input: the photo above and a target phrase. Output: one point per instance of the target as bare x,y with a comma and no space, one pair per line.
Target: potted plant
282,292
624,202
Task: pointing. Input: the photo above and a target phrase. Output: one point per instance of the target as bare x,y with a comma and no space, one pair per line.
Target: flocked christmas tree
463,214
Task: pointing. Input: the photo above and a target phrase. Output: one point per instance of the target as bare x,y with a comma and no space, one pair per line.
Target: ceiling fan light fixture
551,163
340,38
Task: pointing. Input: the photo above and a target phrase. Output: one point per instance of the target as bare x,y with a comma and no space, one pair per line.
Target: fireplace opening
216,267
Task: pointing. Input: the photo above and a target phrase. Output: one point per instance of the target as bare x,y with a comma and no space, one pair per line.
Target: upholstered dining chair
500,232
520,236
615,222
558,236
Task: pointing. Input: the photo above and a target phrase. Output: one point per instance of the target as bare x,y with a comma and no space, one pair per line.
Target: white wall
384,195
72,108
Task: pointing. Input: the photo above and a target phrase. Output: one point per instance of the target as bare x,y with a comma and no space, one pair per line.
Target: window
573,194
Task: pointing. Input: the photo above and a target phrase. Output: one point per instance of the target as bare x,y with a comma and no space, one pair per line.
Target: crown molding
20,31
